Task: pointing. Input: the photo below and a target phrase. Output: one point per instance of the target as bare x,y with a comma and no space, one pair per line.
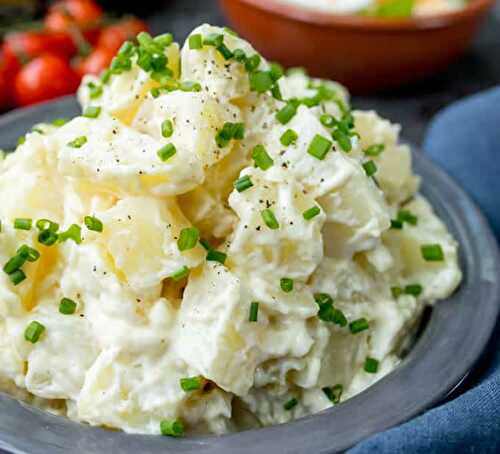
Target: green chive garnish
28,253
408,217
370,168
334,393
243,183
287,113
94,224
192,383
343,139
47,237
327,120
167,129
252,63
95,91
195,42
23,224
180,274
396,292
213,39
172,428
319,147
59,122
33,332
188,238
166,152
14,264
413,289
288,137
254,312
290,404
78,142
359,325
17,277
374,150
92,112
396,224
216,256
286,284
327,312
225,51
311,213
47,224
432,252
67,306
371,365
261,158
74,233
269,219
261,81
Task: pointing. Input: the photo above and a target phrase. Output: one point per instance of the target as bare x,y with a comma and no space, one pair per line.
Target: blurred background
96,30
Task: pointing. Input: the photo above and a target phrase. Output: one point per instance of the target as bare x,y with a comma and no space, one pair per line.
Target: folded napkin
464,140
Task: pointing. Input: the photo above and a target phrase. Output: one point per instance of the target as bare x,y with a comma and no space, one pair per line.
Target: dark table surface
411,106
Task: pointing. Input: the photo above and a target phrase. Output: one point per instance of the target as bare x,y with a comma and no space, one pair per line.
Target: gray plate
453,339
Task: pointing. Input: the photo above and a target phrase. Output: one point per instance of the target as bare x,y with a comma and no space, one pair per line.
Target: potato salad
213,245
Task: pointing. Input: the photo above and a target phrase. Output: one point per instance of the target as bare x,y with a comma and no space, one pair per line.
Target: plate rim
312,433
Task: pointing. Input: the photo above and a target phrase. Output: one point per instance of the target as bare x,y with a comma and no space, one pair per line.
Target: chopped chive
214,39
188,85
181,273
192,383
254,312
261,158
238,131
195,42
167,129
276,92
371,365
127,48
374,150
359,325
287,113
33,332
261,81
14,264
92,112
47,237
370,168
432,252
17,277
21,140
230,32
290,404
288,137
396,292
396,224
328,313
342,139
239,55
164,40
252,63
188,239
166,152
105,76
286,284
59,122
413,289
225,51
74,233
327,120
334,393
206,245
243,183
276,71
67,306
94,224
269,219
78,142
172,428
319,147
407,216
28,253
23,224
216,256
95,91
323,298
311,213
47,224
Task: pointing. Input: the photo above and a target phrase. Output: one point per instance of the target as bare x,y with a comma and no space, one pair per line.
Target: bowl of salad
367,45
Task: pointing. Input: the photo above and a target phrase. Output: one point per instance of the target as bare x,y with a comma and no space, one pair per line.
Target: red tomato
97,61
27,45
115,35
5,89
47,76
66,13
8,70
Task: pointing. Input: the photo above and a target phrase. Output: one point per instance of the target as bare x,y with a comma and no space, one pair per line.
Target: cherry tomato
5,89
8,70
66,13
47,76
27,45
115,35
97,61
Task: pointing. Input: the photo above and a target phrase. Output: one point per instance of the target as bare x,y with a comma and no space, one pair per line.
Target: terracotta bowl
364,53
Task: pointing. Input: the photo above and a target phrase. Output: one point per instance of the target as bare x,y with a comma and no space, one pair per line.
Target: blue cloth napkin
464,139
